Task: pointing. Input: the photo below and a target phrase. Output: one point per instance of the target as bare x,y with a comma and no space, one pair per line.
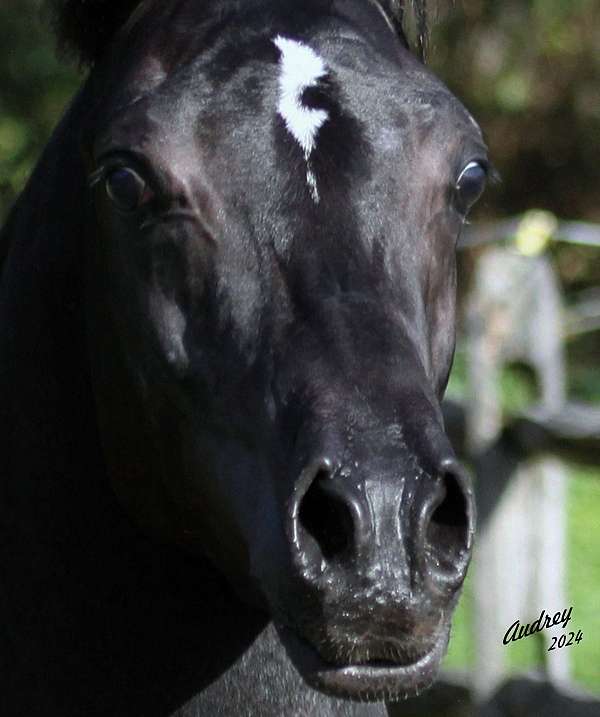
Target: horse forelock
84,28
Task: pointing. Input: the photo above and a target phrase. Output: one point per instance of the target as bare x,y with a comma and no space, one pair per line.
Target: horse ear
84,28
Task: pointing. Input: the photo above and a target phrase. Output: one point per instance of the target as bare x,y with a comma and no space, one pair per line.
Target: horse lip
368,682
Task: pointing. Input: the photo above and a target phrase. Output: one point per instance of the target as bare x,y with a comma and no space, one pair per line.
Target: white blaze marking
300,68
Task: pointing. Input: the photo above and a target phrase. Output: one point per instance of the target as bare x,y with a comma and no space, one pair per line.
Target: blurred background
529,71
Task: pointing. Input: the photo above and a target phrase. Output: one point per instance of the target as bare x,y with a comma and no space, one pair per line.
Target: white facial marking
300,68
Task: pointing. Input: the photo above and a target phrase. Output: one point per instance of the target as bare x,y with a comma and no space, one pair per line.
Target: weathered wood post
514,313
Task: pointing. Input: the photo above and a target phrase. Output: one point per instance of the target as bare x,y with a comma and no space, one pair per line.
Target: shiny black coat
220,408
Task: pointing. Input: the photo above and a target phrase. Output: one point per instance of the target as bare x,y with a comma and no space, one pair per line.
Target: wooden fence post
514,313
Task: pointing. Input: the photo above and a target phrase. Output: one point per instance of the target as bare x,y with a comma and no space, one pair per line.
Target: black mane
84,28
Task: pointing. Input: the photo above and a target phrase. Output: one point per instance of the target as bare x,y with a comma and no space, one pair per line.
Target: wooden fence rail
582,233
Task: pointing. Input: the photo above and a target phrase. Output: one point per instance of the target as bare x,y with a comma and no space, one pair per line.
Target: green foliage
34,88
530,73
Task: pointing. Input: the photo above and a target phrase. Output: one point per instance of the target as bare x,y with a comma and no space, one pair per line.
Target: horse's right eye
470,185
126,189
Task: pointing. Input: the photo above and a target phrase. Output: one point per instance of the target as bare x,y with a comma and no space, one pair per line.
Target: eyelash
97,176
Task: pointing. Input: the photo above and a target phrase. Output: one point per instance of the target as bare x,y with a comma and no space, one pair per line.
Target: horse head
275,194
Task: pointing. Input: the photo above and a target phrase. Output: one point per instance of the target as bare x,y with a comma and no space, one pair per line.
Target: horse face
277,201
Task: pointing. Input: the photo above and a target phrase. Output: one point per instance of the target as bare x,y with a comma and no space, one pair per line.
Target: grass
584,572
461,650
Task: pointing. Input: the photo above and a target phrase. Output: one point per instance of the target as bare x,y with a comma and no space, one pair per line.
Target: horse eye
126,188
470,185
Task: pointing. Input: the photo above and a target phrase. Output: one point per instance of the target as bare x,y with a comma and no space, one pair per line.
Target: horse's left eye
126,189
470,185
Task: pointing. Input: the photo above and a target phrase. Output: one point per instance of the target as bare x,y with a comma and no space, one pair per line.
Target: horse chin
371,681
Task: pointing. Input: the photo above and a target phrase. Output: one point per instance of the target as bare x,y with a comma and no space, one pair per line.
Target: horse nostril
449,529
326,517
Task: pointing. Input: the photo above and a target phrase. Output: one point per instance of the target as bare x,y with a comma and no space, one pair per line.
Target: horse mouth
368,681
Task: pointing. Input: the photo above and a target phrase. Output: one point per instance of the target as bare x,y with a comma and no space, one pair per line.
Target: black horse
226,325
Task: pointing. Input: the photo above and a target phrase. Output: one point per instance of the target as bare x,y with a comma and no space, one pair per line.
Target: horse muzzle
379,549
